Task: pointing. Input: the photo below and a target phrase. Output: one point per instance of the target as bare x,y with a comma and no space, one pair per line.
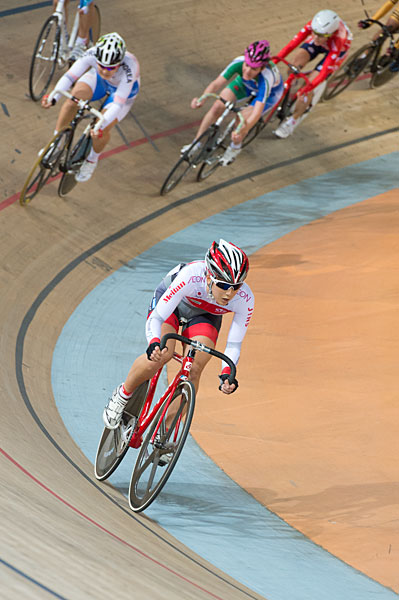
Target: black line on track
29,316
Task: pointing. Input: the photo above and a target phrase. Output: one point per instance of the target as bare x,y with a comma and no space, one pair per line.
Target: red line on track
123,148
113,535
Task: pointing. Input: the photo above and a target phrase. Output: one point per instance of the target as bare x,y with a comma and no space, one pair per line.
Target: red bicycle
284,107
165,424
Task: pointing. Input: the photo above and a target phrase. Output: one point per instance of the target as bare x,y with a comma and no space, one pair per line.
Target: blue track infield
200,505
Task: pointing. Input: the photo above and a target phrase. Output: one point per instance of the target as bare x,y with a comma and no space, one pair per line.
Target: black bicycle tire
134,502
380,78
342,73
72,166
169,185
48,22
46,171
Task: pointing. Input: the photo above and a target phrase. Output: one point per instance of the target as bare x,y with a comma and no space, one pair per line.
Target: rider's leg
144,369
69,108
215,111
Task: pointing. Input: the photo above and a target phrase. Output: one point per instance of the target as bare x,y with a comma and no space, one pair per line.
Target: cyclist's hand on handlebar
225,386
45,103
96,134
154,353
196,104
364,24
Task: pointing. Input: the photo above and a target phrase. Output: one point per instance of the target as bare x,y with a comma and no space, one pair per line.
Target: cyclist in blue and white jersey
194,296
254,75
105,68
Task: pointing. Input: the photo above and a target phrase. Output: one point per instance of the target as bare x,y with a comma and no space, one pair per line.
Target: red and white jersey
336,47
188,292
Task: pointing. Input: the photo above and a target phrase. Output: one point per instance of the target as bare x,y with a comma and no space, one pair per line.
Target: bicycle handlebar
229,104
201,348
84,104
385,29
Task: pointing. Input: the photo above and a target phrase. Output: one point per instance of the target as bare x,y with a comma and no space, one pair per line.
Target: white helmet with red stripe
227,262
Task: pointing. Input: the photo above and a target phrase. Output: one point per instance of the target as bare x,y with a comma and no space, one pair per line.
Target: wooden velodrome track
56,526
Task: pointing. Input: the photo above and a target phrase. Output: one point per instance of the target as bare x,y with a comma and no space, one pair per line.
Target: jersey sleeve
79,67
238,329
177,290
300,37
382,11
234,68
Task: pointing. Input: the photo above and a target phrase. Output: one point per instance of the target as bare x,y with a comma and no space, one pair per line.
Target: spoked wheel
214,149
383,73
157,460
44,58
349,72
46,166
189,160
114,443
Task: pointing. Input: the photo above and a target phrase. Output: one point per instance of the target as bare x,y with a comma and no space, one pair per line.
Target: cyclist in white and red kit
325,36
194,296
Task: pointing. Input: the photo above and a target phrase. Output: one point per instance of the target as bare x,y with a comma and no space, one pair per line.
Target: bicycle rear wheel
44,58
214,149
114,443
190,159
349,72
383,73
157,460
45,166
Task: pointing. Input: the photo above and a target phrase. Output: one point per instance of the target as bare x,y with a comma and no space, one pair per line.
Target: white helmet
325,23
110,49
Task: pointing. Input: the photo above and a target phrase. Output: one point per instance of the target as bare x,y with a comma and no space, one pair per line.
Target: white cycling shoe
86,171
286,128
187,147
229,156
113,412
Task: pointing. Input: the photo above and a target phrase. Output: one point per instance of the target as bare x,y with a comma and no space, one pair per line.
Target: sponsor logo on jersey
173,291
196,279
244,295
128,72
250,311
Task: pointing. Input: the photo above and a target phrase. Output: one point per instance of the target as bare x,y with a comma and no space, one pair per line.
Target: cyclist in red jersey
326,35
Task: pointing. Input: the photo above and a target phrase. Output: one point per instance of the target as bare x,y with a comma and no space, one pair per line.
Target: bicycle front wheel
44,58
189,160
348,72
158,456
45,166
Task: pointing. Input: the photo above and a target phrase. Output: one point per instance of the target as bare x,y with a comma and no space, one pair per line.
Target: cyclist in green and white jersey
254,75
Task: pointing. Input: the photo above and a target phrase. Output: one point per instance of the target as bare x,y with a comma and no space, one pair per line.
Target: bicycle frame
145,418
66,44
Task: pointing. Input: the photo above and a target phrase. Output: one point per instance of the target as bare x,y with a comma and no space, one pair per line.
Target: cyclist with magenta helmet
254,75
194,296
105,68
325,35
